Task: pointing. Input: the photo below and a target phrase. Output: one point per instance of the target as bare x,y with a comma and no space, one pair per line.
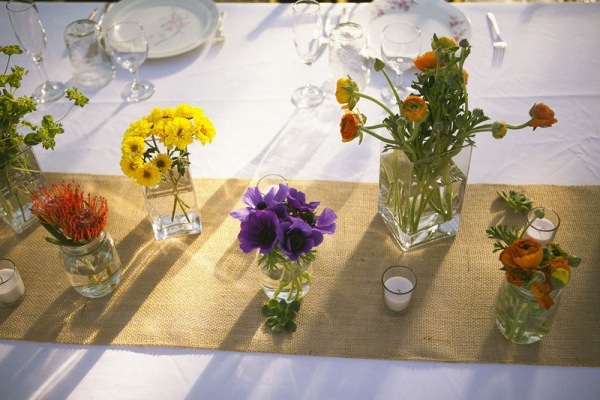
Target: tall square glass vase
19,178
420,201
172,205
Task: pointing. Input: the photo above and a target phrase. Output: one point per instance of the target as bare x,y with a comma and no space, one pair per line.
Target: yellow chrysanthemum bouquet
155,151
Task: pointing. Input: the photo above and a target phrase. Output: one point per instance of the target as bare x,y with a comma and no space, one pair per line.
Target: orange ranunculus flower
466,75
522,253
426,61
516,276
541,292
350,125
542,116
414,108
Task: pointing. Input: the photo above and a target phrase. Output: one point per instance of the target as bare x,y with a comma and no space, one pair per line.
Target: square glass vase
420,201
172,205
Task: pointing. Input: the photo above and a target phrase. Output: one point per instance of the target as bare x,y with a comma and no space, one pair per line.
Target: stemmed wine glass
400,45
308,29
128,47
31,34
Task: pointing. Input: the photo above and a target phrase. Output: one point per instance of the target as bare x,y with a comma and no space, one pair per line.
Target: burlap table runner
203,291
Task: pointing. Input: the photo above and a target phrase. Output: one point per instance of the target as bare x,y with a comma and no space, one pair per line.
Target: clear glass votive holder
542,229
12,288
270,181
399,283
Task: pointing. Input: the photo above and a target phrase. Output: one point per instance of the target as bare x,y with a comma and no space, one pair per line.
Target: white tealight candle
541,230
398,293
11,284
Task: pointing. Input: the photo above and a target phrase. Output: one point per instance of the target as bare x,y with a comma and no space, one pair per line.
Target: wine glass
128,47
31,34
308,29
400,45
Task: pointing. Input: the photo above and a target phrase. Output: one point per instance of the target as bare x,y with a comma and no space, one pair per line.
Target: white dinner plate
172,26
431,16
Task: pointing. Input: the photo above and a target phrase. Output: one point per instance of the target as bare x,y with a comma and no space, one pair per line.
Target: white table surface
246,90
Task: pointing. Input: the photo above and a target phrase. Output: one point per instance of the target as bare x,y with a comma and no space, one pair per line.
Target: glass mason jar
172,206
19,178
520,317
420,201
288,280
94,269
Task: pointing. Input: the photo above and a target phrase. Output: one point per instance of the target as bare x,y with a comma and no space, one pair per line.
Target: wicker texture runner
203,291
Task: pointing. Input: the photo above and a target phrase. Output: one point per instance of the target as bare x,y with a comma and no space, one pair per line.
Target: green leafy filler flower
16,132
526,263
436,121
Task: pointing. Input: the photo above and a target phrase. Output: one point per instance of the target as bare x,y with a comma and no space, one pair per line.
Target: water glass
347,53
92,67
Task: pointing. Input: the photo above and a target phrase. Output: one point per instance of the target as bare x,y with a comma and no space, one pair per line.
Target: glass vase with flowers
155,154
535,275
20,174
77,222
285,229
426,142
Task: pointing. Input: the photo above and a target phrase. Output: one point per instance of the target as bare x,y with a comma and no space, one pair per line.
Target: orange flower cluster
526,257
68,214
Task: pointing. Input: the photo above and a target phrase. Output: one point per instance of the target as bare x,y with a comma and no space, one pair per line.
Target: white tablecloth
246,90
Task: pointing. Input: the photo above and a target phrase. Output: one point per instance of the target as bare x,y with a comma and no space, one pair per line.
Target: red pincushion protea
70,215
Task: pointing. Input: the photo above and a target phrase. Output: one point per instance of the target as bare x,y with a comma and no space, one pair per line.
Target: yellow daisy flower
187,111
133,146
204,130
130,166
162,161
147,175
179,133
139,128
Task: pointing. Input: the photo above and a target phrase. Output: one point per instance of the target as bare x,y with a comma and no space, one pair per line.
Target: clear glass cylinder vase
420,201
287,280
520,317
94,269
172,205
19,178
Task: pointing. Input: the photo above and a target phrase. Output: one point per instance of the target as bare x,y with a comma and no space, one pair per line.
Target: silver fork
497,42
218,38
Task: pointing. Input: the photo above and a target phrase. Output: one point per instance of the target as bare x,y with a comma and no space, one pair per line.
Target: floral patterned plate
431,16
172,26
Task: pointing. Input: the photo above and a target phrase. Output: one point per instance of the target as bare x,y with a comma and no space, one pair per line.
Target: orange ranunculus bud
426,61
542,116
499,129
522,253
414,108
350,125
344,93
540,292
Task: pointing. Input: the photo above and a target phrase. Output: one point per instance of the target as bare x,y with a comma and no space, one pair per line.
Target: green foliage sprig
281,315
516,200
15,131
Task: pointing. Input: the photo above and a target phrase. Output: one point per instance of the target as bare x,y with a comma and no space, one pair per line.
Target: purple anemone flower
298,238
260,230
326,222
257,201
297,200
